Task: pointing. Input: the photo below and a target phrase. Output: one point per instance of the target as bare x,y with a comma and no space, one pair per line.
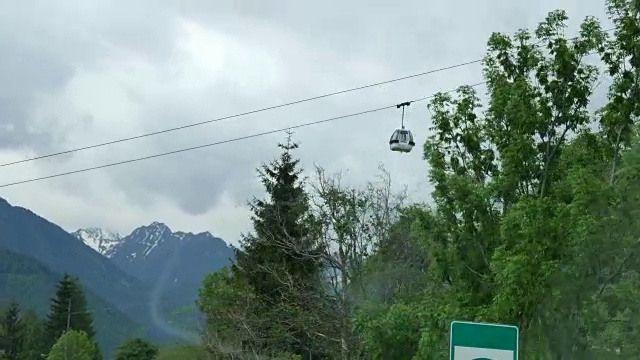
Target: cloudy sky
75,73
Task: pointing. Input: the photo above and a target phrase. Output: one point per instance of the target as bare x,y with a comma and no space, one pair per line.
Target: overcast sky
74,73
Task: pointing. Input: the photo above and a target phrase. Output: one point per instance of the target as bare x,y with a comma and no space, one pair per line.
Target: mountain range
132,282
173,263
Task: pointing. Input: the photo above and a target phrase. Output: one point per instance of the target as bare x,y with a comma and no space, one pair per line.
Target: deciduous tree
74,345
137,349
350,224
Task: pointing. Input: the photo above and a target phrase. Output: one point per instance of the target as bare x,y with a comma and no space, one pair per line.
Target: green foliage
12,333
21,334
533,221
278,225
533,209
74,345
391,334
183,353
24,336
230,307
32,285
68,310
34,337
97,354
276,271
137,349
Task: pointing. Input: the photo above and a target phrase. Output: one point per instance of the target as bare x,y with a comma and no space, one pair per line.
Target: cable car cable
446,68
223,141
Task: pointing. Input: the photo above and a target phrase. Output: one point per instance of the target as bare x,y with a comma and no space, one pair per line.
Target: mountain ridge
24,232
173,264
107,242
32,284
101,240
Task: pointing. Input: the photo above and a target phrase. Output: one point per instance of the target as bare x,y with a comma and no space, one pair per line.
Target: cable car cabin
401,141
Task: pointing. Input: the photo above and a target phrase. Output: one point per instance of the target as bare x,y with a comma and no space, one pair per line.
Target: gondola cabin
401,141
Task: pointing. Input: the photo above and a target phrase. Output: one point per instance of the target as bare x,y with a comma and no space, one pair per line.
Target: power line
446,68
221,142
451,67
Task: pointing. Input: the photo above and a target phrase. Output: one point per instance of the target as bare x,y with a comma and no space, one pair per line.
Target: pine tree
281,235
68,311
13,332
280,259
34,335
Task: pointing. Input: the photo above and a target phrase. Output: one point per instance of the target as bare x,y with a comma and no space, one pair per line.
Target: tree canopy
12,334
532,220
74,345
137,349
68,310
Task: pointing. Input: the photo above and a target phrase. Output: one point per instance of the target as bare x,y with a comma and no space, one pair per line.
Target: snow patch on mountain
174,264
141,242
103,241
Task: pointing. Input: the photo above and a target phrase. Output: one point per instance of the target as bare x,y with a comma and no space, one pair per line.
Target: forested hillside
32,285
24,232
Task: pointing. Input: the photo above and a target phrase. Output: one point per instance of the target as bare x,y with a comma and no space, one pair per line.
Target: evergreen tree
97,354
12,332
68,311
280,260
34,341
281,236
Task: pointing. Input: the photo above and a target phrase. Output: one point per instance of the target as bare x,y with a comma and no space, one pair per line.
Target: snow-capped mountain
102,241
172,262
35,249
142,241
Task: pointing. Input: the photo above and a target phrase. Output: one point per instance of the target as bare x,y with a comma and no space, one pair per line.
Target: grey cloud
401,39
42,44
195,180
146,27
406,35
25,72
78,30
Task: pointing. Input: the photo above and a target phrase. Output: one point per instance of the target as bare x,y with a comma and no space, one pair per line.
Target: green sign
479,341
